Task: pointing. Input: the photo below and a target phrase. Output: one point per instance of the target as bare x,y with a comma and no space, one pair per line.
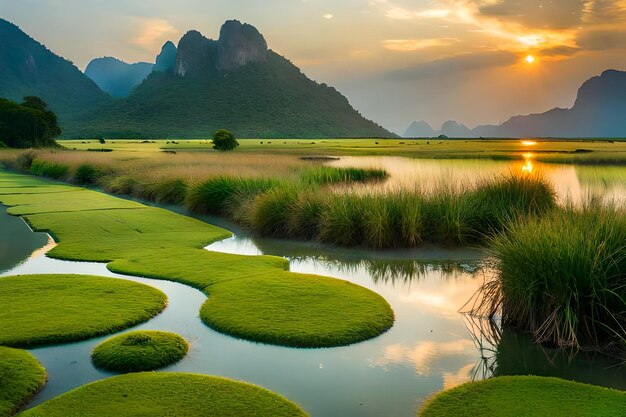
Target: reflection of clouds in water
429,357
443,300
463,375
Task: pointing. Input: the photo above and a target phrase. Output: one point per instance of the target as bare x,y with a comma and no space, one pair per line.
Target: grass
167,394
252,297
397,219
50,309
555,150
139,351
563,278
21,376
528,396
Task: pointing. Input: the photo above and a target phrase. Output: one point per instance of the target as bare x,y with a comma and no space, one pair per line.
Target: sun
529,59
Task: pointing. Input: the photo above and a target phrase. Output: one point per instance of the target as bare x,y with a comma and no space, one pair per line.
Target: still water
429,348
575,183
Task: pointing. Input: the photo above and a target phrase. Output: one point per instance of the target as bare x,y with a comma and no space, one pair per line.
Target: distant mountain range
599,111
192,90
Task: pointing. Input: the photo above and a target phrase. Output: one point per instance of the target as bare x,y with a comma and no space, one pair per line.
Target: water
574,183
428,349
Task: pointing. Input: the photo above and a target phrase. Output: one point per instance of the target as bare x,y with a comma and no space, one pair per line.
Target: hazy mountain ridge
235,82
599,111
117,77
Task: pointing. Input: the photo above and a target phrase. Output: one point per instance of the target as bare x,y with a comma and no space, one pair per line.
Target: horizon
396,62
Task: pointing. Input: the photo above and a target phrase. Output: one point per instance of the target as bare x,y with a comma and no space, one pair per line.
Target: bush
86,174
224,140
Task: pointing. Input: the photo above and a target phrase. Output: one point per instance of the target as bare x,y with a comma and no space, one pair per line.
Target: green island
139,351
21,376
167,394
50,309
528,396
252,297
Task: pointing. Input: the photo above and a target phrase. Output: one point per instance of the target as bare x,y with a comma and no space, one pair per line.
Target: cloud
409,45
151,33
603,39
455,64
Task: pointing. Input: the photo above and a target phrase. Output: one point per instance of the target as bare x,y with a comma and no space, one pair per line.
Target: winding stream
429,348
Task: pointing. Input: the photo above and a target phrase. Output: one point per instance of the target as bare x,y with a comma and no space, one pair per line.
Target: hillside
27,68
234,82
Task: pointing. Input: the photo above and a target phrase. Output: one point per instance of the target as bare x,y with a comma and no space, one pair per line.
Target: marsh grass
563,278
398,219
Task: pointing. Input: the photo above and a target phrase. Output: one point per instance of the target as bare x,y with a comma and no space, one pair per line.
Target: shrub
222,195
86,174
48,168
224,140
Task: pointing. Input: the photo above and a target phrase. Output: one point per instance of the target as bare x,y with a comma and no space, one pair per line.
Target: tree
29,124
224,140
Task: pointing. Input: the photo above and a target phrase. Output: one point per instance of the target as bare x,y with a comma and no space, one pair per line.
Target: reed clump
562,277
397,219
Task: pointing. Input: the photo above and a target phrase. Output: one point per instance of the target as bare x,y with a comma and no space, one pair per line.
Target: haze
396,60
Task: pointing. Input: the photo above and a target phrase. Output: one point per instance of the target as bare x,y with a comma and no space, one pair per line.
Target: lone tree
224,140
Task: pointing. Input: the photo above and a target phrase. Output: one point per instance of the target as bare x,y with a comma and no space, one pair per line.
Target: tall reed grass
562,277
398,219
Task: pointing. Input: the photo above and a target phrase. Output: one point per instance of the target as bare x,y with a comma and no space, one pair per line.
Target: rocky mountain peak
238,45
166,60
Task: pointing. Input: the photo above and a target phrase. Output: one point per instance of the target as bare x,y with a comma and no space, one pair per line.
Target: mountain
27,68
453,129
419,129
116,77
166,60
234,82
598,112
203,85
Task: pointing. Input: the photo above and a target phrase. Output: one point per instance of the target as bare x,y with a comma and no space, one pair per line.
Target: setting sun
529,59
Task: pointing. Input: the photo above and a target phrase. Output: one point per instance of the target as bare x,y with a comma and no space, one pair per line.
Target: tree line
27,124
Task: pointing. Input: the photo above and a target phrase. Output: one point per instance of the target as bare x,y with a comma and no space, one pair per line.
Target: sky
395,60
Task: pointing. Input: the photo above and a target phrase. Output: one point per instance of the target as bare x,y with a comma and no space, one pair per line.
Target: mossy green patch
21,376
138,351
253,297
167,394
49,309
528,396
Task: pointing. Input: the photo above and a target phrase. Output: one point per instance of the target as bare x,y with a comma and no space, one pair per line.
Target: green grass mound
253,297
528,396
50,309
21,376
167,394
139,351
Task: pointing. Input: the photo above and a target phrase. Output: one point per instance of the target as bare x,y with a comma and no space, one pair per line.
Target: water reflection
575,183
507,352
